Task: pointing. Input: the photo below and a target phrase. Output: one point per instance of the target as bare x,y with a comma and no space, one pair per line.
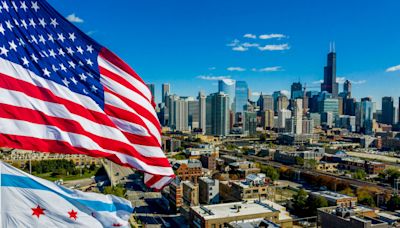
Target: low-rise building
189,170
208,190
355,217
190,193
208,161
221,215
327,166
243,168
175,195
336,199
255,186
290,157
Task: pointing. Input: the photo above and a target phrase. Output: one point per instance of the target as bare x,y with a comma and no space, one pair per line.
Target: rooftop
331,196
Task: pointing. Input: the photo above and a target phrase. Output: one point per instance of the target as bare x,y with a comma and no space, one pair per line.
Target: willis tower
330,85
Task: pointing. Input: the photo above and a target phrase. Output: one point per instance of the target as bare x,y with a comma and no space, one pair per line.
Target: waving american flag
61,91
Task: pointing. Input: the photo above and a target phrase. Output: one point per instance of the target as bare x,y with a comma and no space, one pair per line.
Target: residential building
188,170
208,161
202,111
193,114
265,102
217,114
267,119
190,193
298,116
388,110
209,190
336,199
283,115
175,195
250,123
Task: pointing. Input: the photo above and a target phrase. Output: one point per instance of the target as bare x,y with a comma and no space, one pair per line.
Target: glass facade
241,96
227,86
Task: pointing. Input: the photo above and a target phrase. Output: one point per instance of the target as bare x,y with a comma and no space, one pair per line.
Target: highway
351,181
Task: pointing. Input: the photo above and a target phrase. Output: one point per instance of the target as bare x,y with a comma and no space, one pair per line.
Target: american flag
61,91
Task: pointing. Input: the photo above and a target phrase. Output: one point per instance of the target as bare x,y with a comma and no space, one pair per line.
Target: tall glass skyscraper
330,85
241,95
227,86
366,115
388,110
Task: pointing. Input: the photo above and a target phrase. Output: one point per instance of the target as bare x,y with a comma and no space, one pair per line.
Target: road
355,182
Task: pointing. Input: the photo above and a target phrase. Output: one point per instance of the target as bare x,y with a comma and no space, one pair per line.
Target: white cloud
270,69
240,48
340,80
285,92
246,44
234,43
393,68
213,78
250,36
274,47
235,69
73,18
271,36
318,82
256,94
358,82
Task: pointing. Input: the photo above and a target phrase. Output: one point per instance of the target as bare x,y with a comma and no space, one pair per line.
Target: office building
388,110
165,91
265,102
298,116
267,119
308,126
217,114
152,90
202,111
296,90
365,114
250,123
180,115
346,122
329,84
193,113
347,89
283,115
227,86
241,95
282,103
209,190
327,119
329,105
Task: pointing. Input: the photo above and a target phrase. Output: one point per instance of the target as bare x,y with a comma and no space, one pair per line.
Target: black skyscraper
347,88
330,85
387,110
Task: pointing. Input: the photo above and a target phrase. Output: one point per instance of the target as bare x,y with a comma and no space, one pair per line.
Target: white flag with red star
29,201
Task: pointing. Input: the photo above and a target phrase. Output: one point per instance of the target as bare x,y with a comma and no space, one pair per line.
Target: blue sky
186,42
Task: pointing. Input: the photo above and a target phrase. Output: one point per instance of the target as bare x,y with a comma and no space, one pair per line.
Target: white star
34,40
74,80
52,53
55,69
89,62
35,6
81,63
23,6
50,37
84,91
34,58
42,22
70,51
5,6
54,22
63,68
79,49
9,25
24,24
13,46
71,64
72,36
83,77
14,6
61,52
25,61
89,48
94,88
66,82
3,51
21,42
2,30
32,22
16,22
43,54
61,37
46,72
42,39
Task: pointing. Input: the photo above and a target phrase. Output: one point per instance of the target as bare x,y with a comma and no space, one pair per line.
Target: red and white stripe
41,115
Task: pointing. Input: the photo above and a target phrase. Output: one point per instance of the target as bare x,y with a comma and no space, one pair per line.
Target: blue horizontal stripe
8,180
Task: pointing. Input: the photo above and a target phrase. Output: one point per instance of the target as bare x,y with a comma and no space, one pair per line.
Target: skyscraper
365,114
282,103
283,115
193,112
298,116
217,114
296,90
227,86
165,90
347,88
202,111
388,110
330,85
241,95
181,121
152,90
266,102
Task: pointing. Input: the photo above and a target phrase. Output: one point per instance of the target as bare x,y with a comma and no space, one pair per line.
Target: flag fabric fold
62,92
29,201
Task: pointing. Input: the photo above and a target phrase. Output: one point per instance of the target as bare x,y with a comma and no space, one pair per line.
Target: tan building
327,167
267,119
254,187
175,195
336,199
190,193
189,170
220,215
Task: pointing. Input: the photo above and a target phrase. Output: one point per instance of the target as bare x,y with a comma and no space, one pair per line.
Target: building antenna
330,47
334,48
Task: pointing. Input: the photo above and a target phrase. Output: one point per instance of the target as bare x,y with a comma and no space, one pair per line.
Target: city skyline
270,53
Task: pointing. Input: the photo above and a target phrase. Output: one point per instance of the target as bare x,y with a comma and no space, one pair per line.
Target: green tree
115,190
311,163
347,191
270,172
394,203
359,174
316,202
300,202
300,161
365,198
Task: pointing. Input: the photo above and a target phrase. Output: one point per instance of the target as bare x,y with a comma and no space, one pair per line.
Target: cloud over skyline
393,68
274,47
236,69
75,19
213,78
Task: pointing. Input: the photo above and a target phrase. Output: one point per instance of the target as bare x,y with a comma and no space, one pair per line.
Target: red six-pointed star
38,211
73,214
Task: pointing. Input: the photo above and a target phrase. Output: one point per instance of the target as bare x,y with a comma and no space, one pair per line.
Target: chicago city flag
28,201
62,92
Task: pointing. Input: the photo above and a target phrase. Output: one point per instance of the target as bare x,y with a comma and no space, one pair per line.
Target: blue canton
35,36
